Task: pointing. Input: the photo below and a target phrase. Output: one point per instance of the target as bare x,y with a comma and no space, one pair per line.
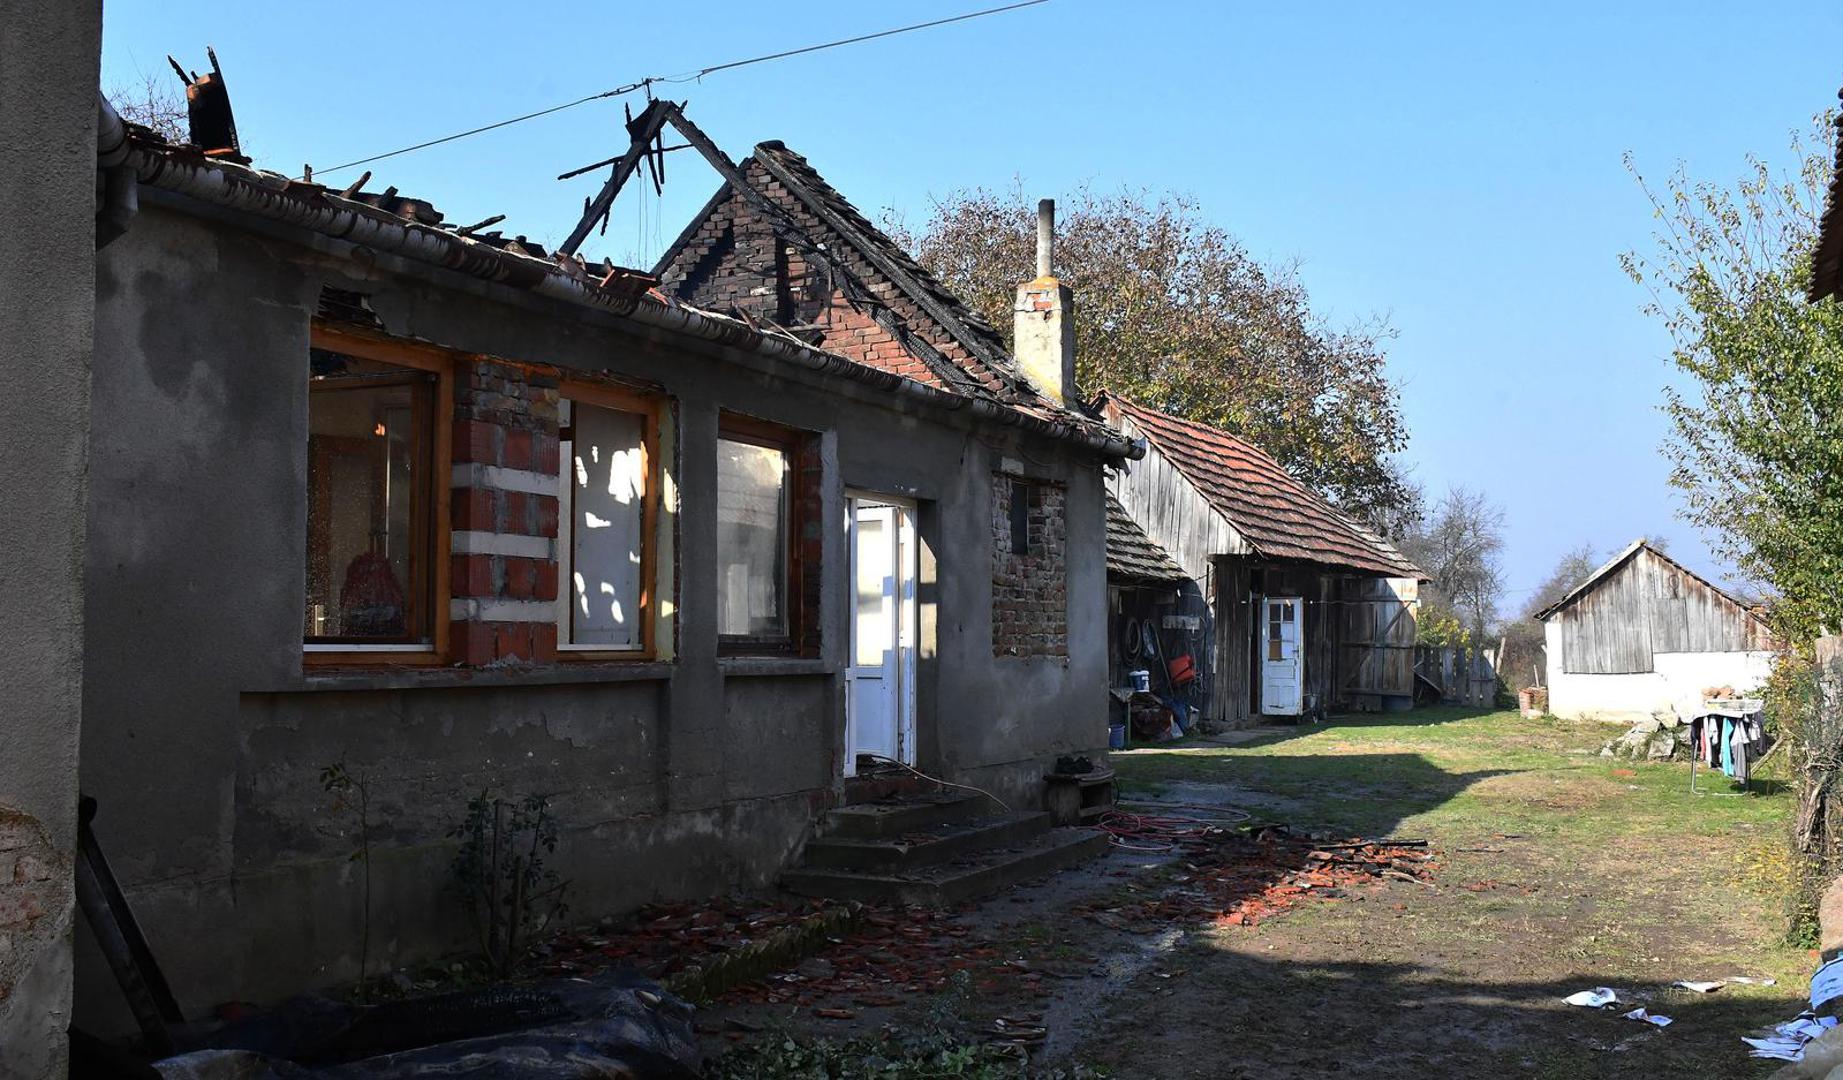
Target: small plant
500,876
353,795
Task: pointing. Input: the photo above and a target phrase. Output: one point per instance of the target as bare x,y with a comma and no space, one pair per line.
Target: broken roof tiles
1280,517
959,354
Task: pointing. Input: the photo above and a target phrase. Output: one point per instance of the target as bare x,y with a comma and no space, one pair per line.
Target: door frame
908,625
1297,605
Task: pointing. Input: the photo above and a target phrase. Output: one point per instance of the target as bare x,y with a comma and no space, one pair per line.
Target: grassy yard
1560,870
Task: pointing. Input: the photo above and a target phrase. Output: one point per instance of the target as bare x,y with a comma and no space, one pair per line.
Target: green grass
1444,770
1557,870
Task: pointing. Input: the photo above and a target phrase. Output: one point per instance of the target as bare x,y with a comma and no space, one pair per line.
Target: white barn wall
1625,698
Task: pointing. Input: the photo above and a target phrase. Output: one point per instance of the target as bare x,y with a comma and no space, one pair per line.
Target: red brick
476,441
544,509
543,642
470,575
471,643
517,449
544,451
472,510
522,578
546,587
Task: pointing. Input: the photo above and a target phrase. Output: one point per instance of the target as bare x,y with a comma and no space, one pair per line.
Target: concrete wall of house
47,214
1676,677
670,779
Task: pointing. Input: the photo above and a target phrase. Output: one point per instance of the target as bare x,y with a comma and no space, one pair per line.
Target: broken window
1023,497
607,521
756,568
370,522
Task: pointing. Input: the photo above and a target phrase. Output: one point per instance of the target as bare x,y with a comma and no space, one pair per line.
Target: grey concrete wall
47,215
671,780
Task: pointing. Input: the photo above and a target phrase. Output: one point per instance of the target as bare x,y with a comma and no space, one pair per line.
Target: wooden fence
1460,676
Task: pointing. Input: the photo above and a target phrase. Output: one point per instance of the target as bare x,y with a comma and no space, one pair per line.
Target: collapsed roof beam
643,131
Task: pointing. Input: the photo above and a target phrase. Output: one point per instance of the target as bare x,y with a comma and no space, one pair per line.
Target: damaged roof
1131,554
1278,516
1827,260
413,229
949,343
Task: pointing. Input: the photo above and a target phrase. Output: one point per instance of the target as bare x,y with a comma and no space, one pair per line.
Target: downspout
118,195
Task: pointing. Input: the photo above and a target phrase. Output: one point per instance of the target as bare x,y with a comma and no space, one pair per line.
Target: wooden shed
1307,609
1643,633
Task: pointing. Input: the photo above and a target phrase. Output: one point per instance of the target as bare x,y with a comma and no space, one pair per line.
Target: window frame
432,497
791,442
651,408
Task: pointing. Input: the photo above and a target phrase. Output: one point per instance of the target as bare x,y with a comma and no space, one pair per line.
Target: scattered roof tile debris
1240,878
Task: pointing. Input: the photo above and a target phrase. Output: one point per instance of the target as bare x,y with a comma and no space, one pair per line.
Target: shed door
1282,660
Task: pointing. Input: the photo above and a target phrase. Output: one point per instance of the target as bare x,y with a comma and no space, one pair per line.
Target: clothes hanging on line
1729,743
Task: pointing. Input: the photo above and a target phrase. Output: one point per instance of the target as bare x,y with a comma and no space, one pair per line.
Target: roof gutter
715,328
119,200
314,208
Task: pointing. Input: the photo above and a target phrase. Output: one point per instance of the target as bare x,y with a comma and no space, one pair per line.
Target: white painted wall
1625,698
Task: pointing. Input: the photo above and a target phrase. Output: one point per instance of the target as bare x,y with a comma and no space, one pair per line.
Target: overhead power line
688,76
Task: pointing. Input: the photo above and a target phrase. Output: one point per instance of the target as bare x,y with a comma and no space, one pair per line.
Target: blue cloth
1727,745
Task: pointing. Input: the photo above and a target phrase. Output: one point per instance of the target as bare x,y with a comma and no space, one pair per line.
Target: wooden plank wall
1376,647
1230,701
1649,605
1174,513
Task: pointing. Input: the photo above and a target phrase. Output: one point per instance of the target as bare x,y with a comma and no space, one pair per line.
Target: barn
1643,633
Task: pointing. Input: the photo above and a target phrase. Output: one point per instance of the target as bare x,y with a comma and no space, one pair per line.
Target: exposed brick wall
1029,590
735,262
503,515
34,889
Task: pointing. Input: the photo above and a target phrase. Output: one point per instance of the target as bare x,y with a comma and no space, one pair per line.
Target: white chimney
1044,319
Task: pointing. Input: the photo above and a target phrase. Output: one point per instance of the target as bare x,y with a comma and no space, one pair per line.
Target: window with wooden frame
608,522
759,585
377,521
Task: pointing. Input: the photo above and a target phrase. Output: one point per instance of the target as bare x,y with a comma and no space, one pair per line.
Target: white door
880,681
1282,660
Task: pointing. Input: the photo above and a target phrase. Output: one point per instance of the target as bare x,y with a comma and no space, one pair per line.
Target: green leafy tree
1173,312
1757,446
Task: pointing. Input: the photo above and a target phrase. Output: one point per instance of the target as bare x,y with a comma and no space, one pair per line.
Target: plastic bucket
1140,681
1116,736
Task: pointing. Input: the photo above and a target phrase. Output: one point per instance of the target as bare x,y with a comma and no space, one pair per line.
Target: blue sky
1455,168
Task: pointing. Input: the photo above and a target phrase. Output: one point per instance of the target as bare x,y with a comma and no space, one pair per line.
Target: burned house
682,551
1288,606
1644,633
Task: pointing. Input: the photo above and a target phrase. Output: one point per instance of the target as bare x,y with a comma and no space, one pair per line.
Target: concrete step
885,785
924,847
979,874
895,817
